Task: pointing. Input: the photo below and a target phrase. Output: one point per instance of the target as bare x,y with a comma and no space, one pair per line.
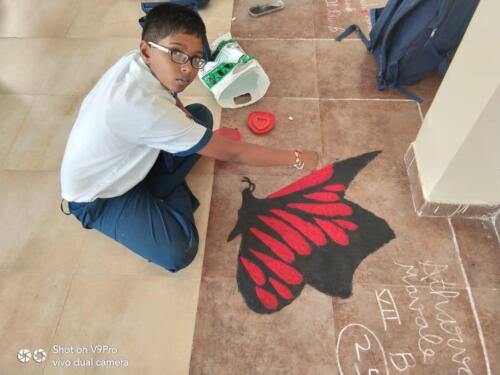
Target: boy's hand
226,149
311,159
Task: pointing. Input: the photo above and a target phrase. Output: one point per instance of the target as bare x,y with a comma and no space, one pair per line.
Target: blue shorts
155,218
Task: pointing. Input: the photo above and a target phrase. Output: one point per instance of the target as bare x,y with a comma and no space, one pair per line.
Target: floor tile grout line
365,284
77,11
493,221
323,147
295,39
38,94
72,277
96,37
41,94
200,275
59,319
4,161
71,38
334,329
314,30
420,112
368,99
336,99
471,299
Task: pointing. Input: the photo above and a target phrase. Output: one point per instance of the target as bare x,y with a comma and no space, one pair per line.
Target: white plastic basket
235,78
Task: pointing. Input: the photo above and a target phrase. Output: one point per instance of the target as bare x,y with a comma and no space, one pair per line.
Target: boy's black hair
166,19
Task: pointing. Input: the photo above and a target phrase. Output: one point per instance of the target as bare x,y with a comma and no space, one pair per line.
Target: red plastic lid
231,133
261,122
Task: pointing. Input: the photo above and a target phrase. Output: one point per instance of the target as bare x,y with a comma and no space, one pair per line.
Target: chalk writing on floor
336,8
443,292
429,310
388,308
366,347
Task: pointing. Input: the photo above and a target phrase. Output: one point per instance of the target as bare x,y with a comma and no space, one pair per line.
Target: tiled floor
62,285
429,270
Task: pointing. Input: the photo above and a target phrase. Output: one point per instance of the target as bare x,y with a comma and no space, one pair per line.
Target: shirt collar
143,74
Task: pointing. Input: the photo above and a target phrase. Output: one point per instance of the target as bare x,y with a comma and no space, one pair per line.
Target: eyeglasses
180,57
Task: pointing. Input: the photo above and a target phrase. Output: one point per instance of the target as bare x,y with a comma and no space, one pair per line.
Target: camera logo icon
39,355
23,355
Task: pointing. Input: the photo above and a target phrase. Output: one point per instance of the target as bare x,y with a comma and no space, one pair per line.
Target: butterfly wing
342,232
267,281
333,179
306,232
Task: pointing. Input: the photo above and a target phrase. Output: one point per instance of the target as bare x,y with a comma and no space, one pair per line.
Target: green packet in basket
234,78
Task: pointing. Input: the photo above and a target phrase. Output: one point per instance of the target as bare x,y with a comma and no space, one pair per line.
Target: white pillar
457,150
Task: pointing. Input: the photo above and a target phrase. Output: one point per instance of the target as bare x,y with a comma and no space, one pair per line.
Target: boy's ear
145,51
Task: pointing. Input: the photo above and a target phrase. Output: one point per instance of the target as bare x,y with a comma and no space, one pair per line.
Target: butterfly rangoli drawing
305,233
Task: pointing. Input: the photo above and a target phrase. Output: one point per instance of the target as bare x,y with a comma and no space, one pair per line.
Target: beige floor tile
41,140
204,166
122,46
35,235
104,19
150,322
230,339
104,256
28,18
487,302
119,18
75,65
14,109
432,324
30,306
24,68
217,17
57,66
479,249
281,24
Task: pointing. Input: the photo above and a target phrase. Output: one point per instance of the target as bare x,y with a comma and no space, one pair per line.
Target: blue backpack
410,38
194,5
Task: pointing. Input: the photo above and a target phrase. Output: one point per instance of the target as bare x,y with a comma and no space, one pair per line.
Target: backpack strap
409,94
443,66
352,29
379,18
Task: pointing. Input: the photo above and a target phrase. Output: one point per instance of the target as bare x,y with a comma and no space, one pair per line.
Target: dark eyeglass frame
184,57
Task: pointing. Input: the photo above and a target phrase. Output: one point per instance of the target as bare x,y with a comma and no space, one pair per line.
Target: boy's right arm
225,149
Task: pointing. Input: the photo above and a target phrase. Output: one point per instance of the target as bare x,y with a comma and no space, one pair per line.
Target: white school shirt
122,125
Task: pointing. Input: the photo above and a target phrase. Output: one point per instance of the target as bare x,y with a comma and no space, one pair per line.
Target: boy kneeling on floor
133,143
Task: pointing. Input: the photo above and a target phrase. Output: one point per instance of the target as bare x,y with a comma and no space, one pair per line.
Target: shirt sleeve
166,127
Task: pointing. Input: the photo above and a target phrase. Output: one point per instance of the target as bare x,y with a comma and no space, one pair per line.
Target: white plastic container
235,78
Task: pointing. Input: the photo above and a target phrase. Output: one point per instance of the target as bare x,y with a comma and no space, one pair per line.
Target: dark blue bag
410,38
191,4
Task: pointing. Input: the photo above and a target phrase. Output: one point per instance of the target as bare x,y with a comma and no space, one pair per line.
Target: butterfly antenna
251,185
